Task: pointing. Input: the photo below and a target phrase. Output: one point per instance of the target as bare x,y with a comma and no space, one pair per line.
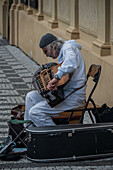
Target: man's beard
55,54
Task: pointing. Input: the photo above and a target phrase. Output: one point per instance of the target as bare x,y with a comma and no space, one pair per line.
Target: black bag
10,157
6,147
9,150
106,113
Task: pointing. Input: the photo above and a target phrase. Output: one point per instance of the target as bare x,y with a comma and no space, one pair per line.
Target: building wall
1,16
90,22
111,19
47,7
30,44
65,15
88,15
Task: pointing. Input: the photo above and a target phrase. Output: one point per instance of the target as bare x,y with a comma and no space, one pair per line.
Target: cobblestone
8,93
6,86
2,75
4,80
15,82
25,75
11,99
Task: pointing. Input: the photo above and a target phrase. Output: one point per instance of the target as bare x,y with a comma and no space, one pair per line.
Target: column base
39,17
13,6
101,48
53,23
72,33
29,11
19,7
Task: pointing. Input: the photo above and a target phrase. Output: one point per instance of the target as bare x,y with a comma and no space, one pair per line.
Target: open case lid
69,128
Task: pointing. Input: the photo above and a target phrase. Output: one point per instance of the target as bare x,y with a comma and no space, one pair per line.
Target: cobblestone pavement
16,71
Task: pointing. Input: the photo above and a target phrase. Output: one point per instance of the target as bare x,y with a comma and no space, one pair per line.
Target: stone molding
53,22
101,48
40,15
29,10
102,44
72,33
73,30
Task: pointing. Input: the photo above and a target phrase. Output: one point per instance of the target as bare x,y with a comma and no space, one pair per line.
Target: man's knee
30,94
32,113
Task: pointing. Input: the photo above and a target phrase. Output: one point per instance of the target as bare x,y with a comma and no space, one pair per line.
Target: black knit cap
46,40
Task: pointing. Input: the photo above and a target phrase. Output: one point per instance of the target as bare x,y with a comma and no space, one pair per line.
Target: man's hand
52,85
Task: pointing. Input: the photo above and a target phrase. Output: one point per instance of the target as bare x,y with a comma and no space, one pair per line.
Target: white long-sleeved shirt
73,63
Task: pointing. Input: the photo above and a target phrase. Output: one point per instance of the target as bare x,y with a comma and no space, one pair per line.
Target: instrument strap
75,90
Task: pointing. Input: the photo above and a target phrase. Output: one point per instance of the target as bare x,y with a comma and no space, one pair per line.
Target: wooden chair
77,115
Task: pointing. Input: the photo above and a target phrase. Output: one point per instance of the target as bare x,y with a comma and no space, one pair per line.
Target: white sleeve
70,63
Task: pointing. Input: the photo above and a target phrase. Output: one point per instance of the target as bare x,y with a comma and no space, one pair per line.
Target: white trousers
40,112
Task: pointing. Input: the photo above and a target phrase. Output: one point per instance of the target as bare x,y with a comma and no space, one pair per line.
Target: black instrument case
70,142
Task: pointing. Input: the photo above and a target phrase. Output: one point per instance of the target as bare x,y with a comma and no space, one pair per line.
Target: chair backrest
94,72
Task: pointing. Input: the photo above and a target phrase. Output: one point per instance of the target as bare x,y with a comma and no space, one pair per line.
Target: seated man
68,52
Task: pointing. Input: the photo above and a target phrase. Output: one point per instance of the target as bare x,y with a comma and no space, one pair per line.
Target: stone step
6,107
3,137
3,129
3,125
5,118
5,114
22,164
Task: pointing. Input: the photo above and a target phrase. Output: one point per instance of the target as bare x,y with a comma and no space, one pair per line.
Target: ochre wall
1,16
103,92
29,36
88,15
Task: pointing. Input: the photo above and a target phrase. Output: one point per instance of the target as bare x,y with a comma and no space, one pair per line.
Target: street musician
71,62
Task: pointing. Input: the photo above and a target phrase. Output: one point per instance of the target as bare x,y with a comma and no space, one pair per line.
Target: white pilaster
73,30
102,45
53,22
40,15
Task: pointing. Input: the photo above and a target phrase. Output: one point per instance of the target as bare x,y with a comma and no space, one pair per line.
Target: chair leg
91,116
96,114
18,135
82,117
70,117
